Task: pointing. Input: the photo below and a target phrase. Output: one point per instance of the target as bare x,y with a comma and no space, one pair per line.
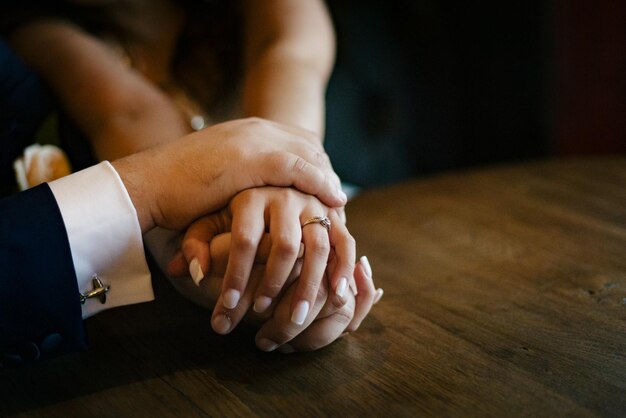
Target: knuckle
284,197
235,280
322,295
299,165
286,246
271,288
287,196
320,247
243,241
312,291
345,314
247,196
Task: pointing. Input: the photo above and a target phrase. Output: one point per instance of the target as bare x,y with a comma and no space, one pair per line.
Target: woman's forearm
286,91
119,110
290,49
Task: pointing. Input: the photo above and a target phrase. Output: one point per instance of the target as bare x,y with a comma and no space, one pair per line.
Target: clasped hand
174,184
328,319
280,212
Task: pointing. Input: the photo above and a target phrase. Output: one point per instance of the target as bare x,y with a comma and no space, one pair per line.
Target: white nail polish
299,314
261,304
195,269
379,294
366,265
266,345
341,287
231,298
301,250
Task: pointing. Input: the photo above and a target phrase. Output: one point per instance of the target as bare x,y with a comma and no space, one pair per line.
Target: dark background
422,86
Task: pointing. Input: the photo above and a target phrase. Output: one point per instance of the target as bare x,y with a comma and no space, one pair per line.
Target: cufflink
99,291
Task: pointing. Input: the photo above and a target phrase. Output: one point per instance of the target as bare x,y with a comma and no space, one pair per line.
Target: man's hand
174,183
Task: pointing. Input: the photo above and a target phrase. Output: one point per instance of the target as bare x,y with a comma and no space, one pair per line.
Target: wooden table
505,296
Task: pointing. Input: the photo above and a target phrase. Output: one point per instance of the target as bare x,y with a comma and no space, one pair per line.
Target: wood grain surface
505,295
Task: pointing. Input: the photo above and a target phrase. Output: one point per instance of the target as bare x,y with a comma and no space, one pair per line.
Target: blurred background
422,86
427,85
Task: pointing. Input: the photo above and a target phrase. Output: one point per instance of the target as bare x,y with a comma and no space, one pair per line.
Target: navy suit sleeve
24,105
40,313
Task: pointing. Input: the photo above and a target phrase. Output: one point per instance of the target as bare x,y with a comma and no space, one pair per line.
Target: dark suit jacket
24,105
40,313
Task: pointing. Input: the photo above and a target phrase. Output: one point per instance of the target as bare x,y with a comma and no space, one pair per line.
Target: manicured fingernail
343,195
341,287
366,265
299,314
301,251
379,294
261,304
286,349
195,269
266,345
231,298
221,324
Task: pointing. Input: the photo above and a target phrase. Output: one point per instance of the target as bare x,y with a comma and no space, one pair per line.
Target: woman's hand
281,211
325,322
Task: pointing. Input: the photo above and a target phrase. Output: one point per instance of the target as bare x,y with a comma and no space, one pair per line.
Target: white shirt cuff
104,235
